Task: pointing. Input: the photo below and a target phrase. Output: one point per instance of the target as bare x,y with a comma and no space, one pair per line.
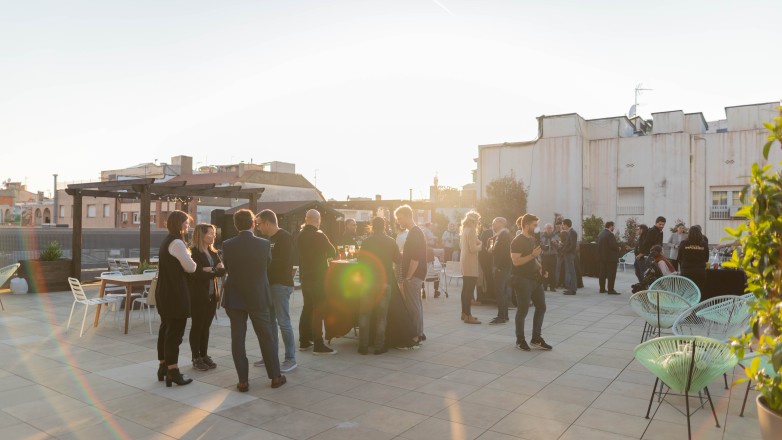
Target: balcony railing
723,212
630,210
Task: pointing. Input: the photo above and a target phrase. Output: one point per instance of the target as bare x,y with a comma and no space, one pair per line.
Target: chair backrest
628,258
114,265
453,269
7,272
150,270
719,318
686,363
125,267
679,285
658,304
76,289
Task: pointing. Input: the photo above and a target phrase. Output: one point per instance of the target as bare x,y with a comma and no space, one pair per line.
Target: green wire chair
679,285
659,308
5,274
685,364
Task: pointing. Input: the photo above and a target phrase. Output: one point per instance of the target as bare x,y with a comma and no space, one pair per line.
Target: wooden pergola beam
112,184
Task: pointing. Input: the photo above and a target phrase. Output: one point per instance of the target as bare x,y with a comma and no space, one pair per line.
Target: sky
365,96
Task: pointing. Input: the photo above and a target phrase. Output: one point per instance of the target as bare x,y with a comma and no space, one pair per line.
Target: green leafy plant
761,239
630,236
591,227
144,265
51,252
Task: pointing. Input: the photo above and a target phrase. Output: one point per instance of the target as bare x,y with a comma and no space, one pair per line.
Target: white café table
128,281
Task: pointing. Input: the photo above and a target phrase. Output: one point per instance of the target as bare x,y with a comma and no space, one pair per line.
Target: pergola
146,190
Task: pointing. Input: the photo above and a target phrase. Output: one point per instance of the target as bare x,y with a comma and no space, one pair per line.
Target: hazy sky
377,96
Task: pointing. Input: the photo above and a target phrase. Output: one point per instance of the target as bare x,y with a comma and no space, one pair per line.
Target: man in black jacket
608,255
569,253
247,294
315,249
653,236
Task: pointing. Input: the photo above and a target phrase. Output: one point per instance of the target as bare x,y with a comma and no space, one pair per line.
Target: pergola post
253,203
77,236
144,230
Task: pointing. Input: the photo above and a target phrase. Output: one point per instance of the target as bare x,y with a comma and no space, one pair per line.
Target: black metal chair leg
643,333
651,399
746,393
725,376
712,406
687,401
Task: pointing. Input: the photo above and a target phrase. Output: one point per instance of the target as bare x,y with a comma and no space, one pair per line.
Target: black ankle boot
174,376
161,372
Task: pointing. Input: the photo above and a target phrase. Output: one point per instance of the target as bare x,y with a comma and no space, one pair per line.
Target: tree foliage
448,197
590,228
505,197
630,236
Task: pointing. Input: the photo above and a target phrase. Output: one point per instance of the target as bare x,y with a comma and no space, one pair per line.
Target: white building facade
677,165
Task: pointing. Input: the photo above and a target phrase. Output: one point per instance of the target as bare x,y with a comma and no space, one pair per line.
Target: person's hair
378,225
680,224
198,236
660,219
695,235
656,252
558,222
243,219
643,228
267,216
527,219
404,210
609,224
175,223
567,222
471,220
350,220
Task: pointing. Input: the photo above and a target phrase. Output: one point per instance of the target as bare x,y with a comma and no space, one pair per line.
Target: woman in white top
676,238
173,296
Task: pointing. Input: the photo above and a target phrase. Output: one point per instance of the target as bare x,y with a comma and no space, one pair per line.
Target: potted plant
49,273
761,240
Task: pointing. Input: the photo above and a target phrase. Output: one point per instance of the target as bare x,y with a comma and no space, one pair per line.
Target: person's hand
208,269
220,265
536,251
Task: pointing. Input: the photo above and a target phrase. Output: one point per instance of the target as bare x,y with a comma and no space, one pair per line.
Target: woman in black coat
203,293
173,297
693,256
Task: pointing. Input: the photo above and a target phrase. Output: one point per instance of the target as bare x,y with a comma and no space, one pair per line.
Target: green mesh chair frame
679,285
765,366
659,308
5,274
685,364
719,318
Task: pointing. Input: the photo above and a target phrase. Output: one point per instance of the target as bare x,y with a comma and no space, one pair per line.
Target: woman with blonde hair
173,297
470,246
203,293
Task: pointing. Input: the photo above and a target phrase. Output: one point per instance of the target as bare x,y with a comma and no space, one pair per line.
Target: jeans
168,339
558,270
262,325
412,299
281,298
570,272
502,291
202,314
526,290
373,304
468,287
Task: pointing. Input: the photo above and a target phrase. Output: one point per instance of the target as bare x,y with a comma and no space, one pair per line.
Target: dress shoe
161,372
613,292
279,381
243,387
174,376
603,291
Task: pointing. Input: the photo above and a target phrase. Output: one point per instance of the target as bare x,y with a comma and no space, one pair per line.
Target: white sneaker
288,365
260,363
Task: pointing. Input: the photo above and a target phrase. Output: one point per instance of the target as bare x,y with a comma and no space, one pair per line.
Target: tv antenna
638,89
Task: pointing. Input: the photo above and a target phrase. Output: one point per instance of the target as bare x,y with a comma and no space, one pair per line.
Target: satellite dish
631,113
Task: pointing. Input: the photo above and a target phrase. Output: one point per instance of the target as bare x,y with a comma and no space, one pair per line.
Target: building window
62,211
125,217
630,201
152,218
91,211
136,218
725,203
106,210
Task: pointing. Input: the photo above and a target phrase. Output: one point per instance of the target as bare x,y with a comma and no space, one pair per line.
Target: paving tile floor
466,382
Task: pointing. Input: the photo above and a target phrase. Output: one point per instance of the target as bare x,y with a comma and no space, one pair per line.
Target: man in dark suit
608,254
247,294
